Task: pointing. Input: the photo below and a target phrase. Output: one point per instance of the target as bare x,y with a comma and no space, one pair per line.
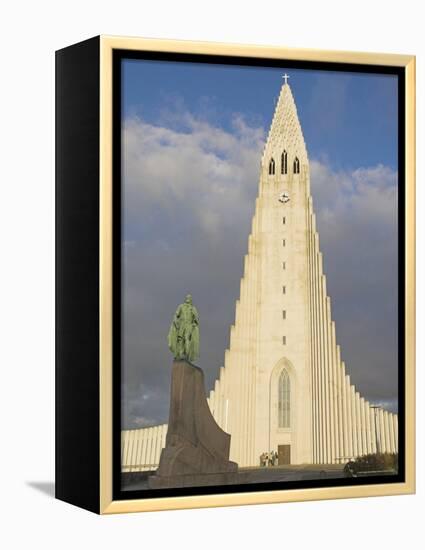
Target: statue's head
188,299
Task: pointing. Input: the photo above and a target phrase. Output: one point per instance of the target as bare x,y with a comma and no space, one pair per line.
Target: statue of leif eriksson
183,337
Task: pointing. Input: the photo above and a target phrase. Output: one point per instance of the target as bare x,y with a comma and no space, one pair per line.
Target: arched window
284,163
271,167
296,166
284,400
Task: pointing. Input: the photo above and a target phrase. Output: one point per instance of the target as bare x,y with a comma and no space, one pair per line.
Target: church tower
269,358
284,386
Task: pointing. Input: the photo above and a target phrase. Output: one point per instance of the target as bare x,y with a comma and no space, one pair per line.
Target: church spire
285,132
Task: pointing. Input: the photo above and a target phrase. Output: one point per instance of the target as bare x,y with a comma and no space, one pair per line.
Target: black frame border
118,56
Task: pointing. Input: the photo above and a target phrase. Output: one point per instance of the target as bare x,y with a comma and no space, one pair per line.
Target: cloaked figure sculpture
183,337
196,449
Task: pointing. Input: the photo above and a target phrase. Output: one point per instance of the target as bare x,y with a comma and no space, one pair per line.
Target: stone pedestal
197,449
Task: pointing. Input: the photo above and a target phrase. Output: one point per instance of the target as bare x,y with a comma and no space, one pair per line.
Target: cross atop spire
285,132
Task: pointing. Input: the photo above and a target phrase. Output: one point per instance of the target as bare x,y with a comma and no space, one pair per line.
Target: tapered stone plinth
197,449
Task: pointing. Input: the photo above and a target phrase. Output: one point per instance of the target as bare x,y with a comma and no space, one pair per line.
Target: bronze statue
183,337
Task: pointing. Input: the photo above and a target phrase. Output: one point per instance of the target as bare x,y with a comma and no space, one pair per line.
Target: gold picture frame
106,45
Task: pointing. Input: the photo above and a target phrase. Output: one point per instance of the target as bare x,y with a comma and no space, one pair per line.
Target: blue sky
350,118
193,134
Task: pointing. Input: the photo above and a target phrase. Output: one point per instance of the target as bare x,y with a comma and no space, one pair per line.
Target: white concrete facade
283,324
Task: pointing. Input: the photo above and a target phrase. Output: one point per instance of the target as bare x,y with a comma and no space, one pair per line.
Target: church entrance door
284,454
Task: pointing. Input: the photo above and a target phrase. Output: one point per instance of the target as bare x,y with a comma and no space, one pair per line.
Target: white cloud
206,169
369,193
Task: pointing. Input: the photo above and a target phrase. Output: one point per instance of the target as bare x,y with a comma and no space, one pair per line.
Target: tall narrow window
296,166
284,314
271,167
283,242
284,340
284,400
284,290
284,220
284,163
283,265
